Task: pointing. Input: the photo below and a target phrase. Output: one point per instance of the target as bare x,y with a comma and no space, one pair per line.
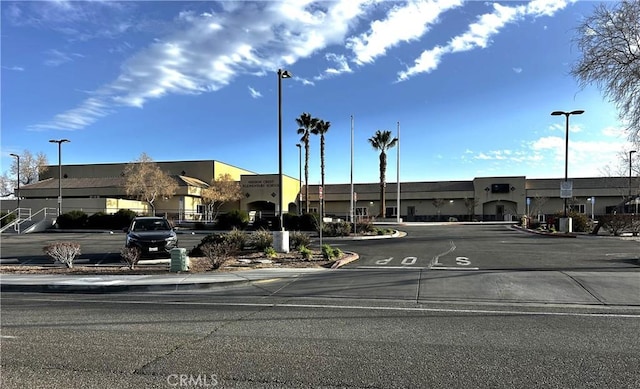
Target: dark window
500,188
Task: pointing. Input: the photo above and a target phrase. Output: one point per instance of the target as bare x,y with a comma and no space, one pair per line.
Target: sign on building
566,189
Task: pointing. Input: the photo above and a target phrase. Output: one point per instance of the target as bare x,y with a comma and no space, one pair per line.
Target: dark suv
153,235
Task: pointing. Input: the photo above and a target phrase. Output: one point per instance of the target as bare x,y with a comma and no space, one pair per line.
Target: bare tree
438,203
537,205
609,40
222,190
145,181
31,167
470,204
6,185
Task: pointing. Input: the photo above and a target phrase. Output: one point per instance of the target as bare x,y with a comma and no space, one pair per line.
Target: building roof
102,182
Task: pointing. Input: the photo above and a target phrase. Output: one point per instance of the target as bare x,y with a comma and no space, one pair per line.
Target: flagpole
398,175
351,218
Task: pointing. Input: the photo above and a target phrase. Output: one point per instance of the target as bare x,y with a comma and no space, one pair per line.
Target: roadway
448,306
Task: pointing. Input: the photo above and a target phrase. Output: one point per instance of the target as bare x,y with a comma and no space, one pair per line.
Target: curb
543,233
343,261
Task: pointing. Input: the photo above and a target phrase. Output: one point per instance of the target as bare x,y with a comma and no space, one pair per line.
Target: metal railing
23,215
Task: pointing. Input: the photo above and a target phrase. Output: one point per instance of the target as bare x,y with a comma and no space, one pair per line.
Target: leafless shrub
130,256
218,253
64,252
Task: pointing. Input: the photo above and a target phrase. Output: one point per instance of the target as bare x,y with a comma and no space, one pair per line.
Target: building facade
100,188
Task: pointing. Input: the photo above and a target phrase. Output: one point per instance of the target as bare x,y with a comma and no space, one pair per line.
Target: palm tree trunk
383,169
322,170
306,175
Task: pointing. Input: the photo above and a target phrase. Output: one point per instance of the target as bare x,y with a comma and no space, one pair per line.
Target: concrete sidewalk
119,283
612,288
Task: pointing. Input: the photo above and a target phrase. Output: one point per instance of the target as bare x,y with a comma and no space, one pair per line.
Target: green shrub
309,222
336,229
299,239
122,219
236,238
270,252
214,238
364,227
580,222
305,252
236,218
262,239
291,221
99,220
329,253
72,219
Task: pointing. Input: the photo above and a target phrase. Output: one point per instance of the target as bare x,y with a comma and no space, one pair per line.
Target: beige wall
264,187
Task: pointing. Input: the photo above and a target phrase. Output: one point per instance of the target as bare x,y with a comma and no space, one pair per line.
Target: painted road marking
349,307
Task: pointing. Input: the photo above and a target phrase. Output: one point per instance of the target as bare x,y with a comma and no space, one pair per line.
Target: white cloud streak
207,51
402,24
254,93
212,49
479,34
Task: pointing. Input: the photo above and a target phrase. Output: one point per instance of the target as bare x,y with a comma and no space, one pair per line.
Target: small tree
470,205
131,256
6,185
64,252
438,203
221,191
145,181
31,167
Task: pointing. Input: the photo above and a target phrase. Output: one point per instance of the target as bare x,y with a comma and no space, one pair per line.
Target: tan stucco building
100,188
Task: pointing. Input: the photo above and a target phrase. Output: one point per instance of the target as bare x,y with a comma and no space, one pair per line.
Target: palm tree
321,128
382,141
306,123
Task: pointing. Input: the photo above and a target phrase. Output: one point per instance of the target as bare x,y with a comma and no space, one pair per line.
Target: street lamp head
576,112
285,73
298,145
15,155
59,141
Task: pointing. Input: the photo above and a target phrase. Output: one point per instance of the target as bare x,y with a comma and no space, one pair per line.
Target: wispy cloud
57,57
205,51
254,93
517,70
479,34
14,68
403,23
209,51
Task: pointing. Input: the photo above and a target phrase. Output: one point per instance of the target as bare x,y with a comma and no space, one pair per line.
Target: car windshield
150,225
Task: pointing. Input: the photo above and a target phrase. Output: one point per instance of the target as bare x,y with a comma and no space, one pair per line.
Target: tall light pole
351,201
59,142
299,146
630,154
281,74
18,170
566,146
398,179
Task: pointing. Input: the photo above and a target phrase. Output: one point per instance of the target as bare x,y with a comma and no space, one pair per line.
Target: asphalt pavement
429,283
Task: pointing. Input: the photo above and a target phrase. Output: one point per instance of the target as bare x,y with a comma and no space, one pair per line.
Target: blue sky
472,85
